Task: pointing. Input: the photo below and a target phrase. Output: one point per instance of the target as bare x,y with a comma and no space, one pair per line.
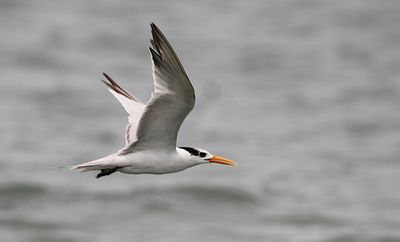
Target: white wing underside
133,106
156,125
135,111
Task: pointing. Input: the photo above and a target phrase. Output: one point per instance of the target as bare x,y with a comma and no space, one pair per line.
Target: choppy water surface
303,94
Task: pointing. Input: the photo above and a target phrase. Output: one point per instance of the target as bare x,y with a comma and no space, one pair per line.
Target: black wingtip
157,59
110,82
155,32
114,86
108,77
152,51
156,38
107,84
154,28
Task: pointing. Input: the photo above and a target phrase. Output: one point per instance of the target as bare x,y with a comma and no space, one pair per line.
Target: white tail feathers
79,168
99,164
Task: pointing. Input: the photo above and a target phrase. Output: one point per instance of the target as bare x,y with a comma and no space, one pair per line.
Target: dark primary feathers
114,86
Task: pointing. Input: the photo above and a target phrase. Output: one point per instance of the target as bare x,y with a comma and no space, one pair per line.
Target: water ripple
14,193
204,193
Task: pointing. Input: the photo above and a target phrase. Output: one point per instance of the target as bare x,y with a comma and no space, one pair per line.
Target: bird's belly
153,165
145,169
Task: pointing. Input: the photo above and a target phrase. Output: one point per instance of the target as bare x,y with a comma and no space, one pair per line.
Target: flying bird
153,127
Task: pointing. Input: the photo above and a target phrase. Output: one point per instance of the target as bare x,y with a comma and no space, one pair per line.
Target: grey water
304,95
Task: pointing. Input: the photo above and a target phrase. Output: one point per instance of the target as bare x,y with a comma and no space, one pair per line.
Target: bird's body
144,162
154,163
153,127
150,162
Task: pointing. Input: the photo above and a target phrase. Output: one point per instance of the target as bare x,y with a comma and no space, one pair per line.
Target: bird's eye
202,154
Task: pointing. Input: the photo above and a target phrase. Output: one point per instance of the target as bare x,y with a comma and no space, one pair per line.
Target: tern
153,127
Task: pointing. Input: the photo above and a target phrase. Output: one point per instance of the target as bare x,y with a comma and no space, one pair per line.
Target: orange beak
223,161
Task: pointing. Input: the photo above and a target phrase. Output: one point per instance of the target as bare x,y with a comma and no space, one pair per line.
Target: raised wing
172,100
133,106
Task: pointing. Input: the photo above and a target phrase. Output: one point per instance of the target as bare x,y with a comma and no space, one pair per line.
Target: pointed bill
221,160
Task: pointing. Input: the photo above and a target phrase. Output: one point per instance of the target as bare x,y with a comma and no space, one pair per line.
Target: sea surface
304,95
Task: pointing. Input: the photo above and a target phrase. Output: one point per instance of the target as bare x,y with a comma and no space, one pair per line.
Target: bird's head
202,156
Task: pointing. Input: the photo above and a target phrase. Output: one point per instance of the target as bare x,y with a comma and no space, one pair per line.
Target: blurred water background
303,94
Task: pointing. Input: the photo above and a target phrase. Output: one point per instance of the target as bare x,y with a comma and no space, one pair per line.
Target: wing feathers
133,106
114,86
172,100
157,59
161,44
